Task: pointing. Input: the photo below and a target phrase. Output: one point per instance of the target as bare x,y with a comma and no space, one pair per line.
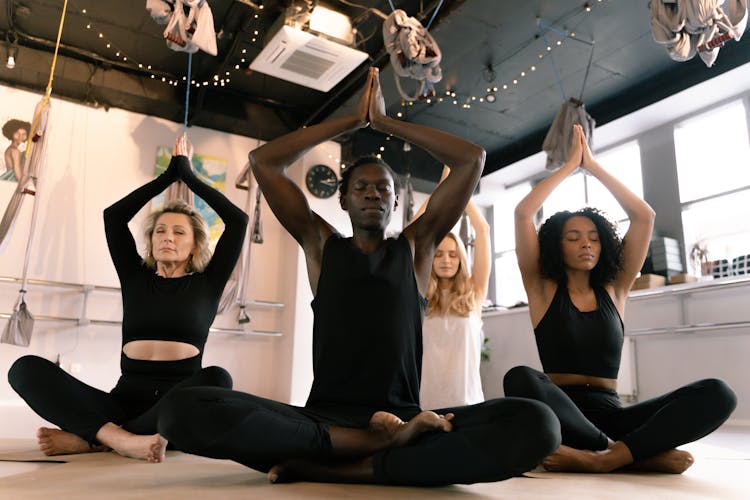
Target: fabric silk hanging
21,323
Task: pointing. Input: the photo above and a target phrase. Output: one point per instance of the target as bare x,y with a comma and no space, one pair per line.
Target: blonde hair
461,299
200,258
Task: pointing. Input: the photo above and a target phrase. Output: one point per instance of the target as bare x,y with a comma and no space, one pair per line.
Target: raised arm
641,215
229,246
527,242
120,240
287,201
480,268
480,271
465,159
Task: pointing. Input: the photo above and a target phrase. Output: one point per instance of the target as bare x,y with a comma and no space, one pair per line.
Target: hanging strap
586,75
29,145
542,31
48,91
187,92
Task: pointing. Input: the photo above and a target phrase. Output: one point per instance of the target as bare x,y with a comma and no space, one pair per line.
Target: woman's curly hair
11,126
551,263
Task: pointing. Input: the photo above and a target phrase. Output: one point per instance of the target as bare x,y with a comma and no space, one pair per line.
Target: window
578,191
508,285
712,153
569,195
713,169
624,163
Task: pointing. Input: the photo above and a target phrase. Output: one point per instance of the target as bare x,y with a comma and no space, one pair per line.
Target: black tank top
367,332
585,343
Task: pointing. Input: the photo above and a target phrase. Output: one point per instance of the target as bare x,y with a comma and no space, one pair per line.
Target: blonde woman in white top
452,330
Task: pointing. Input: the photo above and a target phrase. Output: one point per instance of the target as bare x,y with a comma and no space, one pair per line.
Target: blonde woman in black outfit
577,274
362,421
170,298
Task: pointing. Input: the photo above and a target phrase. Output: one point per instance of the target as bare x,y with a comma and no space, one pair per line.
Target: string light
493,93
158,76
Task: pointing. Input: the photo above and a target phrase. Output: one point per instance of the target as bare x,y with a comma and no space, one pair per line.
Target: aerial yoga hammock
240,274
21,322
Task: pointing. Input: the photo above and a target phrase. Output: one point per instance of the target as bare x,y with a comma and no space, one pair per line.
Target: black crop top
174,309
585,343
367,331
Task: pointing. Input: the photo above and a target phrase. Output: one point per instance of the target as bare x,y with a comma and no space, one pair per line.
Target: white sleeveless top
452,347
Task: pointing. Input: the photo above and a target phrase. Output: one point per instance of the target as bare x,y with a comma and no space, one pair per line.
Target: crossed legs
92,420
486,442
601,436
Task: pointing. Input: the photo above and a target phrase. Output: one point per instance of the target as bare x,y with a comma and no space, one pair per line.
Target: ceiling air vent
305,59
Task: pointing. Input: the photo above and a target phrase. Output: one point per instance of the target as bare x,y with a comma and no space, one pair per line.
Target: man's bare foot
58,442
670,462
400,433
567,459
329,472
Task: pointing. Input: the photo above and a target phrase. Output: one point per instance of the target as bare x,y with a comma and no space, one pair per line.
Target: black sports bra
585,343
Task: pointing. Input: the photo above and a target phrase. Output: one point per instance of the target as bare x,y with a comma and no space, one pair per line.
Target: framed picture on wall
16,131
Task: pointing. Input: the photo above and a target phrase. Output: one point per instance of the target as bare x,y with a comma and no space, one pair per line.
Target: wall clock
321,181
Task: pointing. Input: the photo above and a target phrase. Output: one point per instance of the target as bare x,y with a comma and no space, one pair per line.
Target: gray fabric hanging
468,236
414,53
408,202
689,27
557,142
235,292
27,184
20,325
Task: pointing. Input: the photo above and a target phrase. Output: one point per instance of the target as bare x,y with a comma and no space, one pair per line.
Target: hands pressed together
371,107
580,153
183,147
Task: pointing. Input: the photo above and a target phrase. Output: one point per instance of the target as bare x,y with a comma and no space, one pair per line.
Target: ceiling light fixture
333,24
312,50
490,98
12,51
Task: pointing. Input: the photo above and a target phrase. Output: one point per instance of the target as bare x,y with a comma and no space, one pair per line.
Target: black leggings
590,415
134,403
491,441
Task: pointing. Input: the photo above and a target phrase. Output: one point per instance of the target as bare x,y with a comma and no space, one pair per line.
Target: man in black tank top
362,421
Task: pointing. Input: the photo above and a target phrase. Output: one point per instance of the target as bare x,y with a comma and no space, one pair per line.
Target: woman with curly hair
577,274
452,330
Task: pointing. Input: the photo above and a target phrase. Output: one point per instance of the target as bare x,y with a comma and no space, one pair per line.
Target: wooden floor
721,471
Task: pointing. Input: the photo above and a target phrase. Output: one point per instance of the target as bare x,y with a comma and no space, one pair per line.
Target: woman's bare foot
567,459
151,448
396,432
58,442
670,462
359,471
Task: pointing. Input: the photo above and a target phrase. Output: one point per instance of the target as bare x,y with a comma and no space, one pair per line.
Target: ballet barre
689,328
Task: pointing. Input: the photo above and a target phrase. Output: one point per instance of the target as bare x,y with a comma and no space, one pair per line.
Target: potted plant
699,258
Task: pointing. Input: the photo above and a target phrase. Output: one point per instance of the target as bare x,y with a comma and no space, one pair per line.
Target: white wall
93,159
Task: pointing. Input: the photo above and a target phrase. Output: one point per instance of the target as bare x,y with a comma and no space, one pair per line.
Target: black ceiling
628,70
